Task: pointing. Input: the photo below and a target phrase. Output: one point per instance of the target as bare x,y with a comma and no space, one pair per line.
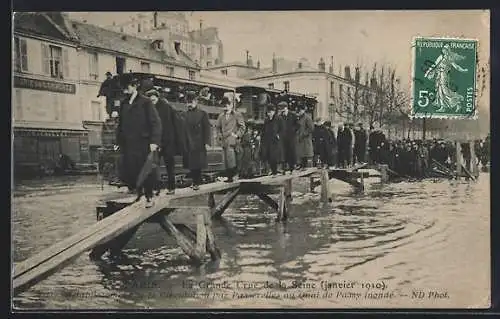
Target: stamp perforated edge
414,115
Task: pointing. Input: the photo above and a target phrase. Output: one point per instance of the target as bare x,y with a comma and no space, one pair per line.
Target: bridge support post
458,156
325,185
384,173
219,209
474,160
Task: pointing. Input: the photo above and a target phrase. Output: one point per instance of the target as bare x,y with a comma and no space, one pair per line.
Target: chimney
356,75
177,47
367,79
347,73
299,65
250,61
330,69
258,64
322,65
275,64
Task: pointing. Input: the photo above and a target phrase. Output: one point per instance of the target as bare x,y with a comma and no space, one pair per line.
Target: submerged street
376,249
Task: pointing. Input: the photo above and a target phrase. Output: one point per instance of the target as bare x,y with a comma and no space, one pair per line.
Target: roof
208,35
225,65
98,37
38,24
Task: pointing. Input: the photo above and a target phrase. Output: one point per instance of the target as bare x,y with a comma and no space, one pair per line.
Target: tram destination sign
44,85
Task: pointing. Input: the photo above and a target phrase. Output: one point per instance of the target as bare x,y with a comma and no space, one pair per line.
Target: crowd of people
287,140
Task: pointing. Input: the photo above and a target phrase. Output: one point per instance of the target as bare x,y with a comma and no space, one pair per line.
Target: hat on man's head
109,73
328,124
152,92
282,104
191,96
133,81
225,101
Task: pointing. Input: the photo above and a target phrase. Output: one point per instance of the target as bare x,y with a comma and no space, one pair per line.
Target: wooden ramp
49,260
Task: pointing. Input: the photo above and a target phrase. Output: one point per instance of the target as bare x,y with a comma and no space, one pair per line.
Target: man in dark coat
348,143
341,145
270,150
288,140
317,132
305,127
197,137
108,89
330,144
170,137
138,134
359,144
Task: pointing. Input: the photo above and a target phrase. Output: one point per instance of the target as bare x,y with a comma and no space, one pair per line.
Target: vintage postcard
278,159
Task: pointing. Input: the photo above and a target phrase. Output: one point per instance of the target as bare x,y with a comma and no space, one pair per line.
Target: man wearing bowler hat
138,134
197,139
230,128
305,129
170,142
289,126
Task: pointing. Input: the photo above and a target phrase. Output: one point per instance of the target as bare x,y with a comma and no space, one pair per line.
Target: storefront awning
50,129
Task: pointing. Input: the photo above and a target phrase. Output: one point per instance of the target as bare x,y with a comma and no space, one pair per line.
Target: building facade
202,45
59,66
335,94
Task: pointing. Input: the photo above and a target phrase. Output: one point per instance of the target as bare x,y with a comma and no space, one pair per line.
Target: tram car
252,102
175,91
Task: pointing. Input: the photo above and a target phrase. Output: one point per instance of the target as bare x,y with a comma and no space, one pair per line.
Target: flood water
385,246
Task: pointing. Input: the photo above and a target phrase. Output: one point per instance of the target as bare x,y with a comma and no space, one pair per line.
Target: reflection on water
423,235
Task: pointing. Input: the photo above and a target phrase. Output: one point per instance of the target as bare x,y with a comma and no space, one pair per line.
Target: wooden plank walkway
49,260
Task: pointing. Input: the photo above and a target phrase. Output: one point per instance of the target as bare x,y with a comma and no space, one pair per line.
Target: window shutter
65,63
24,54
45,59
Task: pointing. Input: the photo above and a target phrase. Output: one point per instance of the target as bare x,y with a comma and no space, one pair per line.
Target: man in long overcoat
270,150
359,144
289,125
305,130
230,128
331,147
341,145
197,139
171,143
139,132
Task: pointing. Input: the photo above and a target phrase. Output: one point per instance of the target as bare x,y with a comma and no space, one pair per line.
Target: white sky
348,36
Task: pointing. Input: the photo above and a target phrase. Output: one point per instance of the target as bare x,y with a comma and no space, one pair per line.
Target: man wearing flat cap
230,128
289,126
197,139
170,138
138,134
305,129
108,89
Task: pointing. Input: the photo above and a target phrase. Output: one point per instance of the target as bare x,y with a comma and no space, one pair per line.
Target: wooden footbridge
119,218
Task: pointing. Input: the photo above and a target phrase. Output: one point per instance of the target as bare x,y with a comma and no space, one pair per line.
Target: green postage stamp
444,78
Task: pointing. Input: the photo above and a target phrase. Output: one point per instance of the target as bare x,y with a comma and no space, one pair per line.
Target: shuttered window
55,61
20,54
93,66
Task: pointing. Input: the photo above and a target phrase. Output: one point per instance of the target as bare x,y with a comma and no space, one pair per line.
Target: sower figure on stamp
305,130
230,128
197,137
170,138
270,150
139,132
288,140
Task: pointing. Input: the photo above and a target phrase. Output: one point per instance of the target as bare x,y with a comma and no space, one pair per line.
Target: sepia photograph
250,159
